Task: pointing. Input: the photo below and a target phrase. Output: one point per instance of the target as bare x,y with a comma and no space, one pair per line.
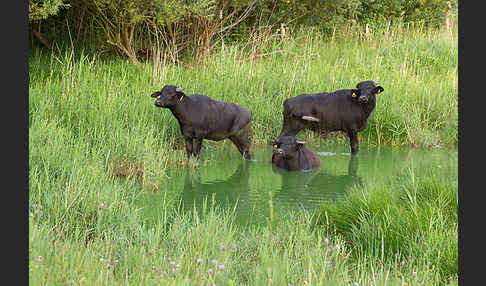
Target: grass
92,121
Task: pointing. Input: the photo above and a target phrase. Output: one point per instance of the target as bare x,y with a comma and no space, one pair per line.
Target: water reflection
225,193
306,190
256,191
298,190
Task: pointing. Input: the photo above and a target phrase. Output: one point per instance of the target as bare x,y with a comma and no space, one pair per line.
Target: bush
171,29
42,9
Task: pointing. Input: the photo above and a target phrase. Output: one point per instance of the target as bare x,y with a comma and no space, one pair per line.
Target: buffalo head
286,147
169,96
365,90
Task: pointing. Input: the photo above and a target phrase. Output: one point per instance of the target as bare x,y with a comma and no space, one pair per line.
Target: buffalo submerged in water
290,154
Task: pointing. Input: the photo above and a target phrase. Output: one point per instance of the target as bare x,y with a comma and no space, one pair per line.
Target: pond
255,190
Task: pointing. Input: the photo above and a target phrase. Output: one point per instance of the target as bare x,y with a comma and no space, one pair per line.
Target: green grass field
91,118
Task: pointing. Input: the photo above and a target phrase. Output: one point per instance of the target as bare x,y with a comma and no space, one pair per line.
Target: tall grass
412,219
92,121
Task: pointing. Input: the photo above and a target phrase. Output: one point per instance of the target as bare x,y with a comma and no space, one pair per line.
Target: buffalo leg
197,147
353,166
354,141
188,147
291,125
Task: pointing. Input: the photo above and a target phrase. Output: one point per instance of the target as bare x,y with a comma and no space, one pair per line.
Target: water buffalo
342,110
201,117
290,154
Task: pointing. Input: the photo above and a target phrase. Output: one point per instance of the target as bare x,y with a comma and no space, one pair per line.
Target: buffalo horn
300,142
376,82
311,118
179,89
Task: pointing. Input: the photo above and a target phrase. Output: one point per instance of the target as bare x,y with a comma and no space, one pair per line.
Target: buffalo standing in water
342,110
201,117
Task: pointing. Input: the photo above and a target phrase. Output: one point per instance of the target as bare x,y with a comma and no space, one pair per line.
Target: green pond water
255,191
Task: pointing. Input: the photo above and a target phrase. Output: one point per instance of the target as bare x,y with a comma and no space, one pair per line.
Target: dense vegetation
194,29
92,121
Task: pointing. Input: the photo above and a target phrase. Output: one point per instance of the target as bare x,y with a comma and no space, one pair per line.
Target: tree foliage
42,9
195,27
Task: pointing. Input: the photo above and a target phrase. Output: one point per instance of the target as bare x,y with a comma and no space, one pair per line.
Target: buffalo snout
279,151
164,101
363,99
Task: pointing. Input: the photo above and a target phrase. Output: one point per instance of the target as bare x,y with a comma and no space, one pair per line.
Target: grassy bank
409,237
91,121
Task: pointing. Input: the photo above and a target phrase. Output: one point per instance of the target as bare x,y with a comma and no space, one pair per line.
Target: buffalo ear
379,89
273,144
155,94
354,93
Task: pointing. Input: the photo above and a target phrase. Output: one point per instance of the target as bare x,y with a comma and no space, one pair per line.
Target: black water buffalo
290,154
201,117
342,110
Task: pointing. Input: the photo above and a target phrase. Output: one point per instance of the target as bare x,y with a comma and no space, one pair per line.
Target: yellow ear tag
353,95
181,98
275,146
158,97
